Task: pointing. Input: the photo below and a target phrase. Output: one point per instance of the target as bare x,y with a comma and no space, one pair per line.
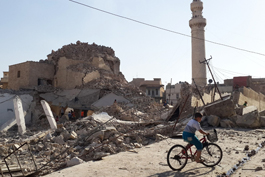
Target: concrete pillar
49,115
197,24
20,119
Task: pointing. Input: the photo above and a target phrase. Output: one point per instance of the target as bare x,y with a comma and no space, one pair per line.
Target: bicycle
211,155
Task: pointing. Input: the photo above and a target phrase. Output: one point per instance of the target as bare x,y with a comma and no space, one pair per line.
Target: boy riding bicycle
189,134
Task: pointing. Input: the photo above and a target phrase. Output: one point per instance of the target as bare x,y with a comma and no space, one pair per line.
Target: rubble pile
83,140
80,51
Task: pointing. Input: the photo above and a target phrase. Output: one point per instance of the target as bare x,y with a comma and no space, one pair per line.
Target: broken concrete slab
75,98
221,108
109,99
49,114
249,109
20,119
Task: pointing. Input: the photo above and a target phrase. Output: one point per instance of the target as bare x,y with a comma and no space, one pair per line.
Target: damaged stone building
70,67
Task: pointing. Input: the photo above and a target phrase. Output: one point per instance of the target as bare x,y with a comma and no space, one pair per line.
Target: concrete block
213,120
249,109
250,120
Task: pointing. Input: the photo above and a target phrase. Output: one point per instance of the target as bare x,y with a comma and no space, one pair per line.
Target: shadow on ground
191,172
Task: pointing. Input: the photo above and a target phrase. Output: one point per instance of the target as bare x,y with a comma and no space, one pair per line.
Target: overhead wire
225,76
164,29
215,74
221,79
231,72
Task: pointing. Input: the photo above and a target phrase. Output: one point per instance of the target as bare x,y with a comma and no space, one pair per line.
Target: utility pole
207,63
198,91
170,91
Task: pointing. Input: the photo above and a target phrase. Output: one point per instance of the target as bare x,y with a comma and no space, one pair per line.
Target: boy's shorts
192,139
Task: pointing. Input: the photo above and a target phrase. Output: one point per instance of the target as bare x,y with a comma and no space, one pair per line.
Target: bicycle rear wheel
177,157
211,155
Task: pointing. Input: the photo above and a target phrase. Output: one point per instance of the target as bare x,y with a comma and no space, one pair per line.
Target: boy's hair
197,114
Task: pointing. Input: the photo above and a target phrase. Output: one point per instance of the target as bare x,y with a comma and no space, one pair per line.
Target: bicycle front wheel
177,157
211,155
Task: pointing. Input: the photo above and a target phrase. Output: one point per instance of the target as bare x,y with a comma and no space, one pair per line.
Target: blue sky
31,29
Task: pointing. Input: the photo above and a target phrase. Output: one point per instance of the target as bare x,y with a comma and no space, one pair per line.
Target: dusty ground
150,161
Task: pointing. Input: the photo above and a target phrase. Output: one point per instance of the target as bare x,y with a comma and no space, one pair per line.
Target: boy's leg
199,147
197,158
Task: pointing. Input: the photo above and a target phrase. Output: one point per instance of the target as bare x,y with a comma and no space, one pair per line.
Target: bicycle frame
203,141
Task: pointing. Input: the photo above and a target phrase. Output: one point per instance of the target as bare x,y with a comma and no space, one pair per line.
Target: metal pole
198,91
205,61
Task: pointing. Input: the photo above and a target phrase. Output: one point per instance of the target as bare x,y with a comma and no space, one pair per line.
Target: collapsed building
119,116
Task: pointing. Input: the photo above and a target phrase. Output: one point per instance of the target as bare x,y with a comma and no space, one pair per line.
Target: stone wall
18,76
65,77
225,89
253,98
26,75
40,70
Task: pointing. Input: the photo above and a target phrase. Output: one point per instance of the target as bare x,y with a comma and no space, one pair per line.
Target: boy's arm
203,132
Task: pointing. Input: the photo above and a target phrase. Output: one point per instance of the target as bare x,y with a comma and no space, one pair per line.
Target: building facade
4,80
173,93
153,88
30,74
256,84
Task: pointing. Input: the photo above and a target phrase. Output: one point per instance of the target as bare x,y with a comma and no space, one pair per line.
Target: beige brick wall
16,82
30,72
66,78
40,71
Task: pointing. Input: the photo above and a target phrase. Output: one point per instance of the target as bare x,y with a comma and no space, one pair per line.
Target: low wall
207,98
253,98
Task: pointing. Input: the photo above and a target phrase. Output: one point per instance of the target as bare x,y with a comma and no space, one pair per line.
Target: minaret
197,24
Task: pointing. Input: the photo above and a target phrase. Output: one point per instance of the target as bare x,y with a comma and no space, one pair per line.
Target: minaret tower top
197,19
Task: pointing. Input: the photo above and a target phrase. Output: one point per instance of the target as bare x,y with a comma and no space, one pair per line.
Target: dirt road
150,161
